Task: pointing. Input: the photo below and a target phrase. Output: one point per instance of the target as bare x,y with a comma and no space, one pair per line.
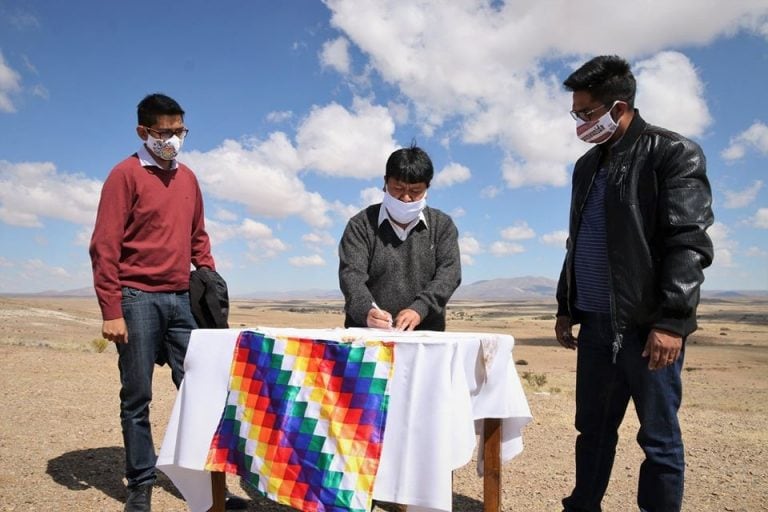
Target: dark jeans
158,327
603,390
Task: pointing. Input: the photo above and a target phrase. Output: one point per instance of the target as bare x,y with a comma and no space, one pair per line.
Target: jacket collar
634,130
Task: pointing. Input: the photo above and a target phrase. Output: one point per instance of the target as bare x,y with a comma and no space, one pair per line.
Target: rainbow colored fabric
304,420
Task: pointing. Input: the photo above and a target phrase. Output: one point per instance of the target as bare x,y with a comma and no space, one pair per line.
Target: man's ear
624,108
141,132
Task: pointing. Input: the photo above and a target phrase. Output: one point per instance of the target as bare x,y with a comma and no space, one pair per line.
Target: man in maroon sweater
149,229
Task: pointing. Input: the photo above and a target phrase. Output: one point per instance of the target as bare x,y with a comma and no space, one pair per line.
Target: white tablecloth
444,385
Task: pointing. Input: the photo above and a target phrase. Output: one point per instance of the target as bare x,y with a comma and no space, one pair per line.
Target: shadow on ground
102,469
260,503
98,468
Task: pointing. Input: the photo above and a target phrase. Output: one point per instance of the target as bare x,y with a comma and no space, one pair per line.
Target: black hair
410,165
154,105
606,78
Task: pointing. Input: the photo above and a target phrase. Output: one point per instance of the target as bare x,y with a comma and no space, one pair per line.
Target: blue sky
294,105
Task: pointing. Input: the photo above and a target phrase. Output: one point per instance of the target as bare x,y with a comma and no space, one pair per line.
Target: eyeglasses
585,115
167,134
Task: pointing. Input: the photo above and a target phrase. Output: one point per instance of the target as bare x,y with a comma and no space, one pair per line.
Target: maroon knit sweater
149,228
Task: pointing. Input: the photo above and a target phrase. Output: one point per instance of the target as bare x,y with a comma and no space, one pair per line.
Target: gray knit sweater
419,273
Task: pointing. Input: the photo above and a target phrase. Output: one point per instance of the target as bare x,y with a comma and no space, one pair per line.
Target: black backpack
209,299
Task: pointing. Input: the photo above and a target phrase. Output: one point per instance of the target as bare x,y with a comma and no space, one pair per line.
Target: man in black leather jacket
637,247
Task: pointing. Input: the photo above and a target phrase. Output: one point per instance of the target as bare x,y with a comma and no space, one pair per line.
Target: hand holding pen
379,318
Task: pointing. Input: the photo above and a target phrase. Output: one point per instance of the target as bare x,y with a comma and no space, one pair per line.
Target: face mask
404,213
164,149
599,130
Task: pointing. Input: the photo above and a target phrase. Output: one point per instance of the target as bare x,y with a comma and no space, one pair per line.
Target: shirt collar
401,233
146,159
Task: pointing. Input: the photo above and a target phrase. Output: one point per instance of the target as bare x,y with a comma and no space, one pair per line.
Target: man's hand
407,320
379,319
563,332
662,348
115,330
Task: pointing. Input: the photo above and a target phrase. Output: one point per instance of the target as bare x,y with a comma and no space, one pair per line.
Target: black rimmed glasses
585,115
167,134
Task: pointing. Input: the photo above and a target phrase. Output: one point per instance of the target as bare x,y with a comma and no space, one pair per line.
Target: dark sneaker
234,502
139,499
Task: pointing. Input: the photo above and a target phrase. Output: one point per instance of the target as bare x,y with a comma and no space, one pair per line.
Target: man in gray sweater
399,260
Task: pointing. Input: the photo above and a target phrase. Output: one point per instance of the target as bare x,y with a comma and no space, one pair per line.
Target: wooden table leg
492,465
219,488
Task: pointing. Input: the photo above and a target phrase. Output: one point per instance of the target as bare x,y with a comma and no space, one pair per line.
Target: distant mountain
500,289
516,288
512,288
86,291
734,294
310,294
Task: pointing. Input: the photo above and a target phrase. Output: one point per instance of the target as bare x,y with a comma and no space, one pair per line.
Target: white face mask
165,149
599,130
401,212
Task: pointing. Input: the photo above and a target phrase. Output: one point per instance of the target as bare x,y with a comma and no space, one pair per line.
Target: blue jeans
603,390
158,326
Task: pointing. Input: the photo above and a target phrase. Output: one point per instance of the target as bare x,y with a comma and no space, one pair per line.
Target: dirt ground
61,447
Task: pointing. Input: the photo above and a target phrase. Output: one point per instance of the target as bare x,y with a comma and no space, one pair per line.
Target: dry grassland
61,447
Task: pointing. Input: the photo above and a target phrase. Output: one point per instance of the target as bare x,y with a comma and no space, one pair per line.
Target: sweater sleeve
447,277
354,255
107,240
201,243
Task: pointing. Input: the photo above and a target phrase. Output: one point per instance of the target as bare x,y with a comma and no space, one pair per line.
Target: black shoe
233,502
139,499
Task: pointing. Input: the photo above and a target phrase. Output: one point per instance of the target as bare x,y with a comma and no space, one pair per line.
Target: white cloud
318,238
458,212
520,231
742,198
755,137
279,116
355,144
40,91
262,176
760,220
723,244
555,238
541,173
469,247
10,84
345,211
36,269
671,94
83,236
499,248
756,252
498,90
372,195
335,55
451,174
22,20
264,249
225,215
258,237
490,192
314,260
31,191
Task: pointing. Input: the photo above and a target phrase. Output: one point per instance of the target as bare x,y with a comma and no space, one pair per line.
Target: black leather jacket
658,204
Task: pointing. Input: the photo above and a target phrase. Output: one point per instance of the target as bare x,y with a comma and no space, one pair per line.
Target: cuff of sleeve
111,311
673,325
421,308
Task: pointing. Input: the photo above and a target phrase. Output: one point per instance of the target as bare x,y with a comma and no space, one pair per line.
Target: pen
377,308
